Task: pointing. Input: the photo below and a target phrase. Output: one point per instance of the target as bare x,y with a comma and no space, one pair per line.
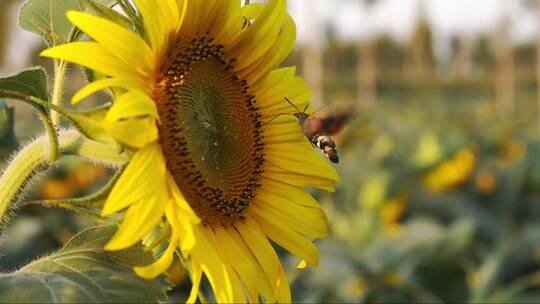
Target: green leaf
32,82
30,86
83,272
47,18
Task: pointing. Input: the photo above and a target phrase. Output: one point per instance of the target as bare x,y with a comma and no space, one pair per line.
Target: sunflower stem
33,159
60,67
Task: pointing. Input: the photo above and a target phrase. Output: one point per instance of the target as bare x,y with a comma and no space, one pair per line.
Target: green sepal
90,124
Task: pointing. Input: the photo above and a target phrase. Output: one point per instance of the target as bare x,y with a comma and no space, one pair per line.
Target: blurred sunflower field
439,197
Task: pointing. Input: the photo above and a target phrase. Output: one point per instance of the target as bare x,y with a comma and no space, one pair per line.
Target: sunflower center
210,131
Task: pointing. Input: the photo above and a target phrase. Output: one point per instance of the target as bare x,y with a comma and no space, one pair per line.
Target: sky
354,20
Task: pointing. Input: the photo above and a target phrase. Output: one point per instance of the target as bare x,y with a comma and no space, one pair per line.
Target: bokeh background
440,193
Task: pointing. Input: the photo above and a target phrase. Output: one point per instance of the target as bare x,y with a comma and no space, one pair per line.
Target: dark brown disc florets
210,130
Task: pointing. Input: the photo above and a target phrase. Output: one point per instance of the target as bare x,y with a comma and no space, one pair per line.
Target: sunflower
195,100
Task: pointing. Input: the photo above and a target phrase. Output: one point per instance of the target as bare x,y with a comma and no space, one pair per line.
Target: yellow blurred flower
391,213
472,278
512,149
428,151
356,287
393,279
485,182
451,173
373,191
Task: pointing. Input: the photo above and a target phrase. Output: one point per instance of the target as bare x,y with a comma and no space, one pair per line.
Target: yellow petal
181,224
237,290
281,75
298,180
196,276
101,84
290,240
143,179
139,220
294,88
213,266
302,265
259,245
295,194
262,34
208,17
181,202
229,21
132,104
153,270
243,262
274,87
283,289
125,44
275,55
94,56
136,132
161,20
285,132
302,160
308,221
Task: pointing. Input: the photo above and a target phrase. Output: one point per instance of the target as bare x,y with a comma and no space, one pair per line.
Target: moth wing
331,120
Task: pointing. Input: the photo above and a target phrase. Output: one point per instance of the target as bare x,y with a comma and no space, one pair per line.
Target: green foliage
83,272
47,18
31,82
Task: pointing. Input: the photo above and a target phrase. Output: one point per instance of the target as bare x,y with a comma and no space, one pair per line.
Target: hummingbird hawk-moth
321,125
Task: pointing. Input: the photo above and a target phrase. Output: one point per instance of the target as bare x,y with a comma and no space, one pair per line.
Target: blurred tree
366,72
312,59
390,54
5,28
420,59
482,56
538,66
461,56
504,58
525,58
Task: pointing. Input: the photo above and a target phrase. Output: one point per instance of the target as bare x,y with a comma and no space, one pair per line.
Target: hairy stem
60,67
51,132
34,159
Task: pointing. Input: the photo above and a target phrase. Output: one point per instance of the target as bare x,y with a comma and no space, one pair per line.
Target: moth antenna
305,108
292,104
276,117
